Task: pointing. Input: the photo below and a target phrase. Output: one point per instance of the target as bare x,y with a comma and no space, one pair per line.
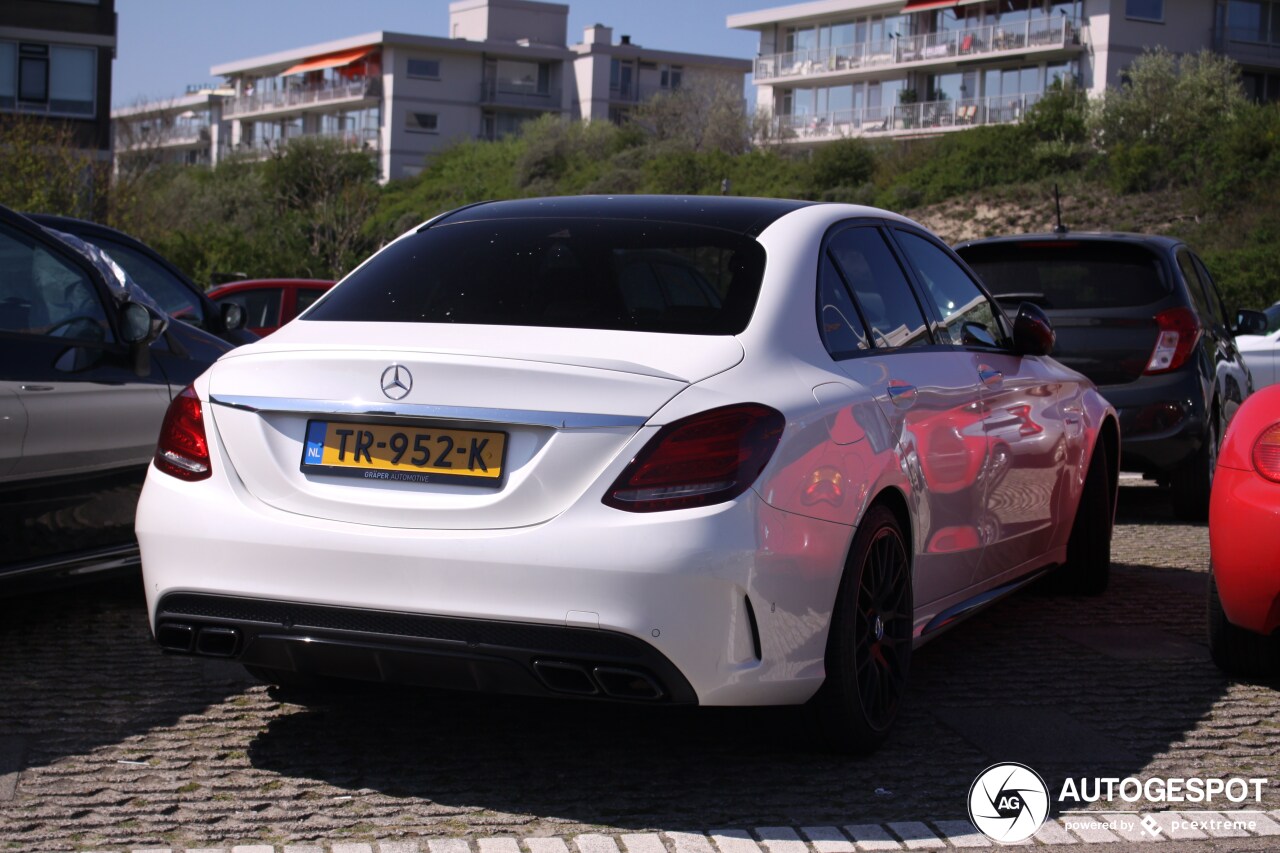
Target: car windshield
1273,318
1066,274
637,275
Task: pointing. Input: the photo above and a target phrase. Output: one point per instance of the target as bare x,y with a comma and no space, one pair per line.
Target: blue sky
165,45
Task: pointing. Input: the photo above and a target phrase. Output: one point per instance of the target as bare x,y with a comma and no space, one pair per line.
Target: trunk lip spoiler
478,414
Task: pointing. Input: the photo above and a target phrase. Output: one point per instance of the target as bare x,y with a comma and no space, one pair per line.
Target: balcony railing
368,139
164,137
1057,31
1247,45
905,118
291,99
504,94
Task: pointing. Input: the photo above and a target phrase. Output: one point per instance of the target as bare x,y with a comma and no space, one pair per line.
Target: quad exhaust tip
209,640
612,681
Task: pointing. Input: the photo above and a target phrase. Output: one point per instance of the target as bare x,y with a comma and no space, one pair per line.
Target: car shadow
1117,685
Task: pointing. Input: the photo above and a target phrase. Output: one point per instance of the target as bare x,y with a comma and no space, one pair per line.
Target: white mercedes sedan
713,451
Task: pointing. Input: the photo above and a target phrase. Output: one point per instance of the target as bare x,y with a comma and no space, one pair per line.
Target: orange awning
925,5
329,60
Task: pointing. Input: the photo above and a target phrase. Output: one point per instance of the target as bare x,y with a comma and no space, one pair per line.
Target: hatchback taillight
1266,453
183,450
703,459
1179,332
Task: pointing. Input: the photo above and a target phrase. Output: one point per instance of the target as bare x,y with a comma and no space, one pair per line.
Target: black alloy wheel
869,645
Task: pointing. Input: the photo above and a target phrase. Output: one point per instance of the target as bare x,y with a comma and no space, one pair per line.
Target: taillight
183,450
1266,453
703,459
1179,333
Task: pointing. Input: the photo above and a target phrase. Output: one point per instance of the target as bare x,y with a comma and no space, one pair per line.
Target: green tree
43,170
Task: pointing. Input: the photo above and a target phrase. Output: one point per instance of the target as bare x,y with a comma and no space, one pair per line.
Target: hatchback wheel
1235,650
869,645
1189,485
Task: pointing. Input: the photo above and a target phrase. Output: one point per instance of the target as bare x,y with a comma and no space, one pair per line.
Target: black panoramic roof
740,215
1153,241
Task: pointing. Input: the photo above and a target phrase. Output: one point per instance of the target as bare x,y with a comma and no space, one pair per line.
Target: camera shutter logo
1008,802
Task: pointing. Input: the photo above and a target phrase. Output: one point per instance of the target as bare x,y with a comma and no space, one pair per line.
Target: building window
1144,10
671,76
53,78
422,122
426,68
33,73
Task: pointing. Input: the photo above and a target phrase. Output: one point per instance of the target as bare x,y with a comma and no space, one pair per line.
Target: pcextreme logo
1008,802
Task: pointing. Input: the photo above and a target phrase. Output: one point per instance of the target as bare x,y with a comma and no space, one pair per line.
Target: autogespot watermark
1009,802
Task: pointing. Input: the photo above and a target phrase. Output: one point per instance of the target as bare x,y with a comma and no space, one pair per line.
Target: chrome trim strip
523,417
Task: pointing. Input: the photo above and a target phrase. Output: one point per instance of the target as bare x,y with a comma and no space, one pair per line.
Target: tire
1088,567
1189,484
1235,650
868,651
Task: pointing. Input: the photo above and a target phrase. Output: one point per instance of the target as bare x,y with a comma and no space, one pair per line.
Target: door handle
903,394
989,375
37,387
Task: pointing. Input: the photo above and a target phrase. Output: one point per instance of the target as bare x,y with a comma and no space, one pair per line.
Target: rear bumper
1162,420
1244,542
410,648
724,605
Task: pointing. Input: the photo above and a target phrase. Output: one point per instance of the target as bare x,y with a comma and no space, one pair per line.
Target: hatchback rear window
1070,274
637,275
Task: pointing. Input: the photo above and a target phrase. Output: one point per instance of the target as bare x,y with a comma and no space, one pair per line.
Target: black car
88,365
176,294
1142,318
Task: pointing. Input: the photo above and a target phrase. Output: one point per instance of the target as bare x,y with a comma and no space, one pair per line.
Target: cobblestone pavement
105,744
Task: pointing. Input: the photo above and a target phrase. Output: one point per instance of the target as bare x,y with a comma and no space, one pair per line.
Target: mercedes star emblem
397,382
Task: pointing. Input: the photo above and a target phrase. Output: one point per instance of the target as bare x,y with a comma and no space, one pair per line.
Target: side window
879,287
160,284
959,302
1195,287
43,294
838,322
304,297
261,307
1211,290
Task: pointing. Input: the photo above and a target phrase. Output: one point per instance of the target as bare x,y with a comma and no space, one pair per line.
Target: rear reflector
700,460
1266,453
1179,333
183,449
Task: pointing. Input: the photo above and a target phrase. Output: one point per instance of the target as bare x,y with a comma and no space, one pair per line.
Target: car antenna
1057,208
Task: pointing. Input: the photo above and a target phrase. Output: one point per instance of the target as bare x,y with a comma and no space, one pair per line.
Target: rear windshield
1070,274
636,275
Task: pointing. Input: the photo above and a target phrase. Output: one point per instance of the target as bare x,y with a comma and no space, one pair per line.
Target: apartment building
901,68
55,62
402,97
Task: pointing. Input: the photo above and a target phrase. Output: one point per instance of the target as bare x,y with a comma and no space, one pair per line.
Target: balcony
905,119
176,136
500,94
368,140
299,100
1247,46
948,48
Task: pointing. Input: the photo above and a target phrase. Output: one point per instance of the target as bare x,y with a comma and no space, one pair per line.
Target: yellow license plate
417,454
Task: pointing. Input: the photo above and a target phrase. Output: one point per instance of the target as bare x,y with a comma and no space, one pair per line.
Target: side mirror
140,326
1250,323
976,335
1032,332
232,316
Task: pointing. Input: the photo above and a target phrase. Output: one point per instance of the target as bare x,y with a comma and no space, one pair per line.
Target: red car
1244,541
269,303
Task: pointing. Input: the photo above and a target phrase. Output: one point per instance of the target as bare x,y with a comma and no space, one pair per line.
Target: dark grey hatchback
1142,318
